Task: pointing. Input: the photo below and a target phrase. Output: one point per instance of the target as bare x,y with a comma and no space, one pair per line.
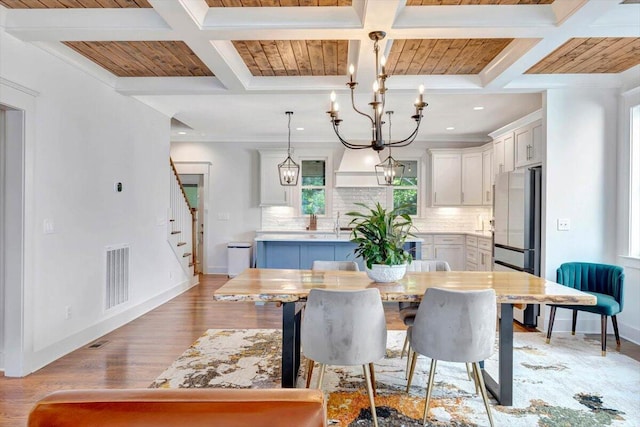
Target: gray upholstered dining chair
345,328
408,310
455,326
330,266
335,265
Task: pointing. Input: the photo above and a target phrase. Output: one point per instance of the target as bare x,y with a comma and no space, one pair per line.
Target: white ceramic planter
382,273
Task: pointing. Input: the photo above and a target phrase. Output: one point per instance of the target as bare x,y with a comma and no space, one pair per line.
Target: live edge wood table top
292,286
274,285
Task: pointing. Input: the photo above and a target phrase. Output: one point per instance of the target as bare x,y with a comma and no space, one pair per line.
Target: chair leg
406,371
367,378
552,317
483,390
405,345
373,379
432,372
614,320
310,364
574,320
475,378
321,376
413,367
603,333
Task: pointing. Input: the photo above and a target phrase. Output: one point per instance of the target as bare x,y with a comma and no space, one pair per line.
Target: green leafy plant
380,234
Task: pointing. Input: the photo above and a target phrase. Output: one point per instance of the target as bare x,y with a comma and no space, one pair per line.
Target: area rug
566,383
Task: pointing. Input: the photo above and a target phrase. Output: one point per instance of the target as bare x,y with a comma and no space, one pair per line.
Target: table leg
290,344
503,389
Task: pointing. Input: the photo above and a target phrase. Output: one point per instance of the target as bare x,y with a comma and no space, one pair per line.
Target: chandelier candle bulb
351,71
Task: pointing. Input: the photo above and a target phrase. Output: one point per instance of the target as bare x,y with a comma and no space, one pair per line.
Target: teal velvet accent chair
603,281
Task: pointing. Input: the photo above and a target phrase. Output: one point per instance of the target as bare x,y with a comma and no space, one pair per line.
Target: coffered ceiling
229,69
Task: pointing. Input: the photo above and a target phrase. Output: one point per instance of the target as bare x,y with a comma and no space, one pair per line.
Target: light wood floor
135,354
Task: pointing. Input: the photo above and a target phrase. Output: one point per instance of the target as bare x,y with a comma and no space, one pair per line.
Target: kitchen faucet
336,227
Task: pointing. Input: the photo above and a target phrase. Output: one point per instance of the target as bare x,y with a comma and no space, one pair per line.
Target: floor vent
97,344
117,277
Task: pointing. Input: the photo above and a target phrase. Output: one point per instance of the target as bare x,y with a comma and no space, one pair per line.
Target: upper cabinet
271,192
528,144
446,178
487,176
457,176
518,144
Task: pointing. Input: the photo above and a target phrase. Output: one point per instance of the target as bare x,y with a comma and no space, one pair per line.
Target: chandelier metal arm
353,105
346,143
408,140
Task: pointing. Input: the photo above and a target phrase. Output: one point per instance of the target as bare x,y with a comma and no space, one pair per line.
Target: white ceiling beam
559,81
169,86
86,24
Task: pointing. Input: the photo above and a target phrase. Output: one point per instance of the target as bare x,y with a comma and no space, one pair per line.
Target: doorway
193,185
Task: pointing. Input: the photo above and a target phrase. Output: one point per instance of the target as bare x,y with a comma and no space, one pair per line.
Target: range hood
357,169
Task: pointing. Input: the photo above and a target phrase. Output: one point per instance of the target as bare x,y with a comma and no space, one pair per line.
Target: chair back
455,326
591,277
335,265
344,327
428,265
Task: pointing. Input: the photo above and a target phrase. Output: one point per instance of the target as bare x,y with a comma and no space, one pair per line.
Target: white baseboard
43,357
217,270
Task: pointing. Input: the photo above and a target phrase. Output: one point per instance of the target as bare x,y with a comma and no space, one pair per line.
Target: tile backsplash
282,218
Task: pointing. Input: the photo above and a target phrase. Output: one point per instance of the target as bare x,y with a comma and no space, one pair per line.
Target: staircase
181,227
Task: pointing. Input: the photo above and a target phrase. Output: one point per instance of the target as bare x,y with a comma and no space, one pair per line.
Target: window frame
328,183
420,184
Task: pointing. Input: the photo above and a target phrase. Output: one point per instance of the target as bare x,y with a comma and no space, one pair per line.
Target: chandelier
390,169
289,170
377,105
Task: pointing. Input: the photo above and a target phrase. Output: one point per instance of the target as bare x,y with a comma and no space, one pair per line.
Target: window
406,190
313,190
634,184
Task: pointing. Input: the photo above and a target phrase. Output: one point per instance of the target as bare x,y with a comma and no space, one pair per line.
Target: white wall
85,138
233,190
581,185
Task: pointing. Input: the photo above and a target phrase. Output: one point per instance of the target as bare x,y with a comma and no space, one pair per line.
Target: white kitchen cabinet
528,144
485,262
271,192
450,248
471,253
446,178
427,246
472,185
487,177
503,152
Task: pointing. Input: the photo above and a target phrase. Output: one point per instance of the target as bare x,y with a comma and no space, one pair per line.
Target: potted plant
380,235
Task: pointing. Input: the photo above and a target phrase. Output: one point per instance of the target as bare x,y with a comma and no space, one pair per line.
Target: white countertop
330,236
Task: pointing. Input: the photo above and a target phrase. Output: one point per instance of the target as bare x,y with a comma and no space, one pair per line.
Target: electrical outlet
564,224
67,313
48,226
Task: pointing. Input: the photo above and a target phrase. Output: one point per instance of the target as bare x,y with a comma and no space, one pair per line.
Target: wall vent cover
117,276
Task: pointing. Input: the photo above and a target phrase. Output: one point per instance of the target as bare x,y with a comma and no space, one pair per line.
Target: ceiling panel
294,57
470,2
591,55
276,3
144,59
442,56
71,4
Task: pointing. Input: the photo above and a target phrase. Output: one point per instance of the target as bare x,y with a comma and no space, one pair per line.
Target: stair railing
181,223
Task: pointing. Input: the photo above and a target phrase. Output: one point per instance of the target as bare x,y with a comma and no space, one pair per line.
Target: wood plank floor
135,354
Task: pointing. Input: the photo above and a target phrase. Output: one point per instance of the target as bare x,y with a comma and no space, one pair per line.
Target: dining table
290,288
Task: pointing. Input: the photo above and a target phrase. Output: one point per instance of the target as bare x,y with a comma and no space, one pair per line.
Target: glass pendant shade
389,171
289,170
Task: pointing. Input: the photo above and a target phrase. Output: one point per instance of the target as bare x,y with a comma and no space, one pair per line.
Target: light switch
564,224
223,216
48,226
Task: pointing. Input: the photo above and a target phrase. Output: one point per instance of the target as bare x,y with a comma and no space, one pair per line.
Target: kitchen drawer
448,239
472,241
472,255
427,239
484,244
471,266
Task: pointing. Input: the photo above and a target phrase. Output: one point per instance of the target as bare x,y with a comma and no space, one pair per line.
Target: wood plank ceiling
143,59
471,2
591,55
442,56
69,4
276,3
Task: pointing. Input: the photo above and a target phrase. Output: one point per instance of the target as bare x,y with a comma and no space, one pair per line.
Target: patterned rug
566,383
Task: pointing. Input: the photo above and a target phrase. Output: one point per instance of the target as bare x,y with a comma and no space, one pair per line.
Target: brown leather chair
180,407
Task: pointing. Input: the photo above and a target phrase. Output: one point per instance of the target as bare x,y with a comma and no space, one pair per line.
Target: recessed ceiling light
299,128
478,108
450,128
182,133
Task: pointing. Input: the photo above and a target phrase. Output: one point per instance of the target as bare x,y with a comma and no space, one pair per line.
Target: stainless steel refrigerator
516,239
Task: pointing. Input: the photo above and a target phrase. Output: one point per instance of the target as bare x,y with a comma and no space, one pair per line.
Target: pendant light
390,169
289,170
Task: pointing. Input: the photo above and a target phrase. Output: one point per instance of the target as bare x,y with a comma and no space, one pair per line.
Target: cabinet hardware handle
435,197
488,192
462,196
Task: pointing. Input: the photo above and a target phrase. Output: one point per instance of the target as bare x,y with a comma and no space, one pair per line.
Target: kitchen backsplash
280,218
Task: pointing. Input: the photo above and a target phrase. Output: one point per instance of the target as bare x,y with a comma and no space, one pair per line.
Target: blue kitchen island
298,251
